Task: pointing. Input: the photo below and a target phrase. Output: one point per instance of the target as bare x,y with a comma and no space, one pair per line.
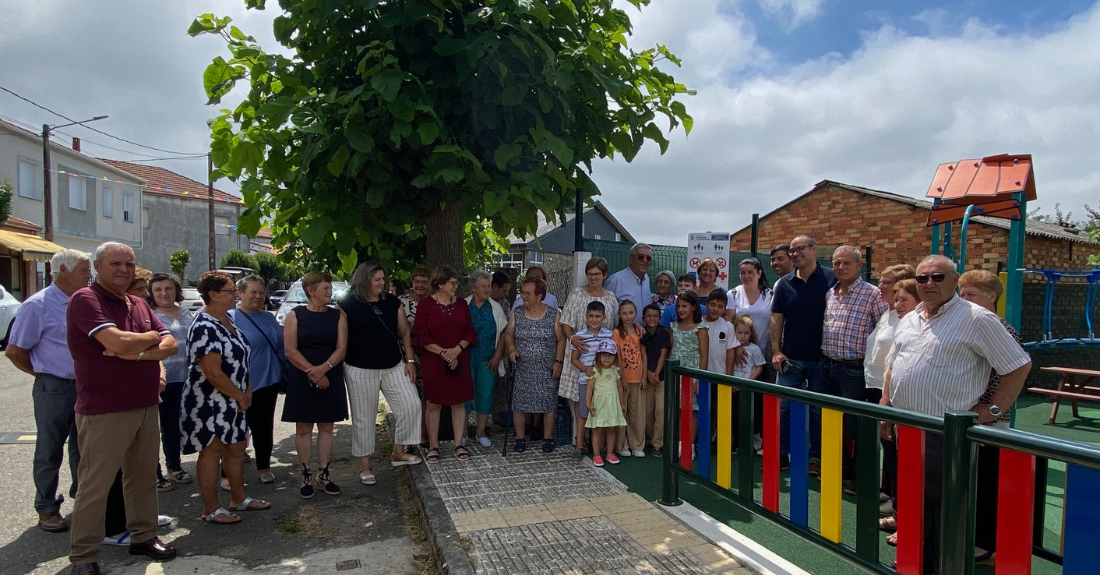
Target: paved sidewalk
534,512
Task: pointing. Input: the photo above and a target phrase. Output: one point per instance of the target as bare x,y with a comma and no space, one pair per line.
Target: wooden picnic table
1071,388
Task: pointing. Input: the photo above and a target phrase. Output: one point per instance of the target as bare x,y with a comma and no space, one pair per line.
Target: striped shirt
850,318
942,363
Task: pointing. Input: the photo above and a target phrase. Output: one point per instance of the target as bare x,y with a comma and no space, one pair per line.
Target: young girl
690,344
606,401
746,335
632,360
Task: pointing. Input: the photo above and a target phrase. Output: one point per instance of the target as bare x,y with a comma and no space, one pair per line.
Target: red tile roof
164,182
22,225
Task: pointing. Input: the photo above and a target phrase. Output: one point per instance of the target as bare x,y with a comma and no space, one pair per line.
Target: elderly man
37,346
632,282
538,272
798,314
942,356
116,342
852,309
781,260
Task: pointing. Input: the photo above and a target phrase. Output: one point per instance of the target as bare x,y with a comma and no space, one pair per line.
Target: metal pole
210,191
47,188
578,223
958,504
1016,238
670,482
755,241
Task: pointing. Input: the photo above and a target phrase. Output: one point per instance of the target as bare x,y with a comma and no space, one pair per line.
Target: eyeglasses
936,277
644,257
224,290
799,249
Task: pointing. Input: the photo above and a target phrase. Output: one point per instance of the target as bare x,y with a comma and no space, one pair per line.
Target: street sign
715,246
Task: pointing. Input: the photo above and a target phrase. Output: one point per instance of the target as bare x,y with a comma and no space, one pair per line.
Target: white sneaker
625,452
485,442
758,443
120,541
163,521
639,453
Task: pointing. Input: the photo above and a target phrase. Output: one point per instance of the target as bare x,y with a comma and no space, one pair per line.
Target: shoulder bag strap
268,339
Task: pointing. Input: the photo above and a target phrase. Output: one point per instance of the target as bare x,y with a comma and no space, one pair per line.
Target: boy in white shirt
723,340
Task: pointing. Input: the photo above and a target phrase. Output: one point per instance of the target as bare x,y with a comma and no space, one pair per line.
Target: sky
790,93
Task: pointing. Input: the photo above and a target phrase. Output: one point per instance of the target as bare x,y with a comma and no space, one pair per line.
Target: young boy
684,283
723,339
657,344
593,334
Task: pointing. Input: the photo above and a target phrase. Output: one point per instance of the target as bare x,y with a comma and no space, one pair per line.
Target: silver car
9,306
191,300
296,296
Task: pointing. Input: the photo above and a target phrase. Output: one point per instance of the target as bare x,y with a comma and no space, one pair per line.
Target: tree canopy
397,120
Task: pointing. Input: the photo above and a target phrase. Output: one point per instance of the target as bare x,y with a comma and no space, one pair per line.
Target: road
364,525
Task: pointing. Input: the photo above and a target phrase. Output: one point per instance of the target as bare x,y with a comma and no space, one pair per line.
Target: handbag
279,386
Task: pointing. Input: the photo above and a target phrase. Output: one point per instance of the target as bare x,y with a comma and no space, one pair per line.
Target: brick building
895,228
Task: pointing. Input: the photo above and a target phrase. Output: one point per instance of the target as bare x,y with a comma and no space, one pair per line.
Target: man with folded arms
117,343
942,355
37,346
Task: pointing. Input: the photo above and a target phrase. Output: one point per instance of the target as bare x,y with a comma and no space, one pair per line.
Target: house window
78,193
618,237
145,218
512,260
108,202
28,180
128,207
221,225
536,258
596,237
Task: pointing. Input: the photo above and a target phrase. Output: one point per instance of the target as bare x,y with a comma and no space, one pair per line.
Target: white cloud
792,13
884,118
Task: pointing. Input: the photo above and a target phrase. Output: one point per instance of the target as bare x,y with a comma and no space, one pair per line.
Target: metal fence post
960,459
670,482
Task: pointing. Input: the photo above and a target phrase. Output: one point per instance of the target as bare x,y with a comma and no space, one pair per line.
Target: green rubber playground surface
643,476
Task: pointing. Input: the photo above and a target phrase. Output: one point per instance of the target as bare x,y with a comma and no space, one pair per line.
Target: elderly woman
444,334
216,395
267,367
665,296
536,344
380,357
905,300
489,322
881,339
572,321
315,338
164,295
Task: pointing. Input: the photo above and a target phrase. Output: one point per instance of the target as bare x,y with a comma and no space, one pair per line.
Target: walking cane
510,377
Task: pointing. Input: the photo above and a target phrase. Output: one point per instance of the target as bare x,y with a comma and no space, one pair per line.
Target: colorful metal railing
1022,480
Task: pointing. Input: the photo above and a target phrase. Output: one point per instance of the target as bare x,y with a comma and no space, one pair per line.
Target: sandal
367,478
164,485
181,476
327,485
461,455
247,505
888,524
433,455
892,540
267,479
407,460
520,446
230,518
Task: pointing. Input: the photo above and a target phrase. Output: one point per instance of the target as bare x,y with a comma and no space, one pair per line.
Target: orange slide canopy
988,183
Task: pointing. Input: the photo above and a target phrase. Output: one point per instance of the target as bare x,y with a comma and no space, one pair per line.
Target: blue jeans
797,374
839,381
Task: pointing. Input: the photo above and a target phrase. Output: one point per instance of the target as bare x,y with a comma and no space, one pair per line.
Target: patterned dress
685,345
206,413
573,315
535,390
995,380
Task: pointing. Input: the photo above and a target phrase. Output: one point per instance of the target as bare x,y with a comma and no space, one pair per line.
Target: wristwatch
141,354
328,364
410,361
994,410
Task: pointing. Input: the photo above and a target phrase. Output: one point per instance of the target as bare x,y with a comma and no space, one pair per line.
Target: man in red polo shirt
117,343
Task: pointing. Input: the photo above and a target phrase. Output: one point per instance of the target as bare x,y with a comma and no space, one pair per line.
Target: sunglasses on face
936,277
643,257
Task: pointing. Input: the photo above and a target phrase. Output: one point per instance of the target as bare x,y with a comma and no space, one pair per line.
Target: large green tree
396,123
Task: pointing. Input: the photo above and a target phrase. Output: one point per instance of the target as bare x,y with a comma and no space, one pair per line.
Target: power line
86,141
63,116
135,160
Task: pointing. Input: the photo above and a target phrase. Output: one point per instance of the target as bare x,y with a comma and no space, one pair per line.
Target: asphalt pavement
361,531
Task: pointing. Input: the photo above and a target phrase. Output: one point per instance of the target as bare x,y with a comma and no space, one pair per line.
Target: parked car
276,298
191,299
296,296
9,306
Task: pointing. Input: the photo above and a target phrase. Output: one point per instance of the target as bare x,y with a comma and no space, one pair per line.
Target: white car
191,300
9,306
296,296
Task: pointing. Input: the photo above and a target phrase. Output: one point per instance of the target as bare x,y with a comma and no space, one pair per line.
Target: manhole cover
347,565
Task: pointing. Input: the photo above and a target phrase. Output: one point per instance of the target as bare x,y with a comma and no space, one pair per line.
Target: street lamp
47,189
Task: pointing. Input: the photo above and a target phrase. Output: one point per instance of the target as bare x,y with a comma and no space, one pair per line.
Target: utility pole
210,190
47,190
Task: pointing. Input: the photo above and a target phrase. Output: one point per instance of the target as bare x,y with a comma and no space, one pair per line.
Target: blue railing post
958,502
670,481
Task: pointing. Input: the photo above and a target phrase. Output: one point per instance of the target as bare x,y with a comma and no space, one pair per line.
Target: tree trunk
443,230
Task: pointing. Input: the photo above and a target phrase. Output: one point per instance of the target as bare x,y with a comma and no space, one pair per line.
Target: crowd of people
123,372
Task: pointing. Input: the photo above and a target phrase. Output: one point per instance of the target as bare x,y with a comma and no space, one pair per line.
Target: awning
32,247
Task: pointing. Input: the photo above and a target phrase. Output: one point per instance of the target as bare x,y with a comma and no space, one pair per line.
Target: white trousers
363,386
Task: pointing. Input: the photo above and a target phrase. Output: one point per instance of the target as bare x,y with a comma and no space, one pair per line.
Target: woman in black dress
316,339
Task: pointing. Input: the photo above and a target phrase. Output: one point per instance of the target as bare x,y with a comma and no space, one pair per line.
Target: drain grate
347,565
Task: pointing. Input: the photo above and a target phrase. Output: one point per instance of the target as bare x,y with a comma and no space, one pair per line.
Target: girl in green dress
690,343
606,402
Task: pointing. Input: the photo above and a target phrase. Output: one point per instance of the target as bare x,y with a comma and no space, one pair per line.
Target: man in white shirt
632,282
538,272
942,355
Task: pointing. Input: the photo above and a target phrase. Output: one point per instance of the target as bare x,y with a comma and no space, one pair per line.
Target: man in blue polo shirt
798,316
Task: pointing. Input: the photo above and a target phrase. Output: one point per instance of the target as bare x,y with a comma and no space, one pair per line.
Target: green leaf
451,175
560,150
219,78
652,132
399,131
447,149
428,132
316,232
248,223
336,166
495,201
513,94
359,139
285,214
505,154
523,6
402,108
387,83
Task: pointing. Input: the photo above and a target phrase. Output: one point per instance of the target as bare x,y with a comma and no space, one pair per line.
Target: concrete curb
446,549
